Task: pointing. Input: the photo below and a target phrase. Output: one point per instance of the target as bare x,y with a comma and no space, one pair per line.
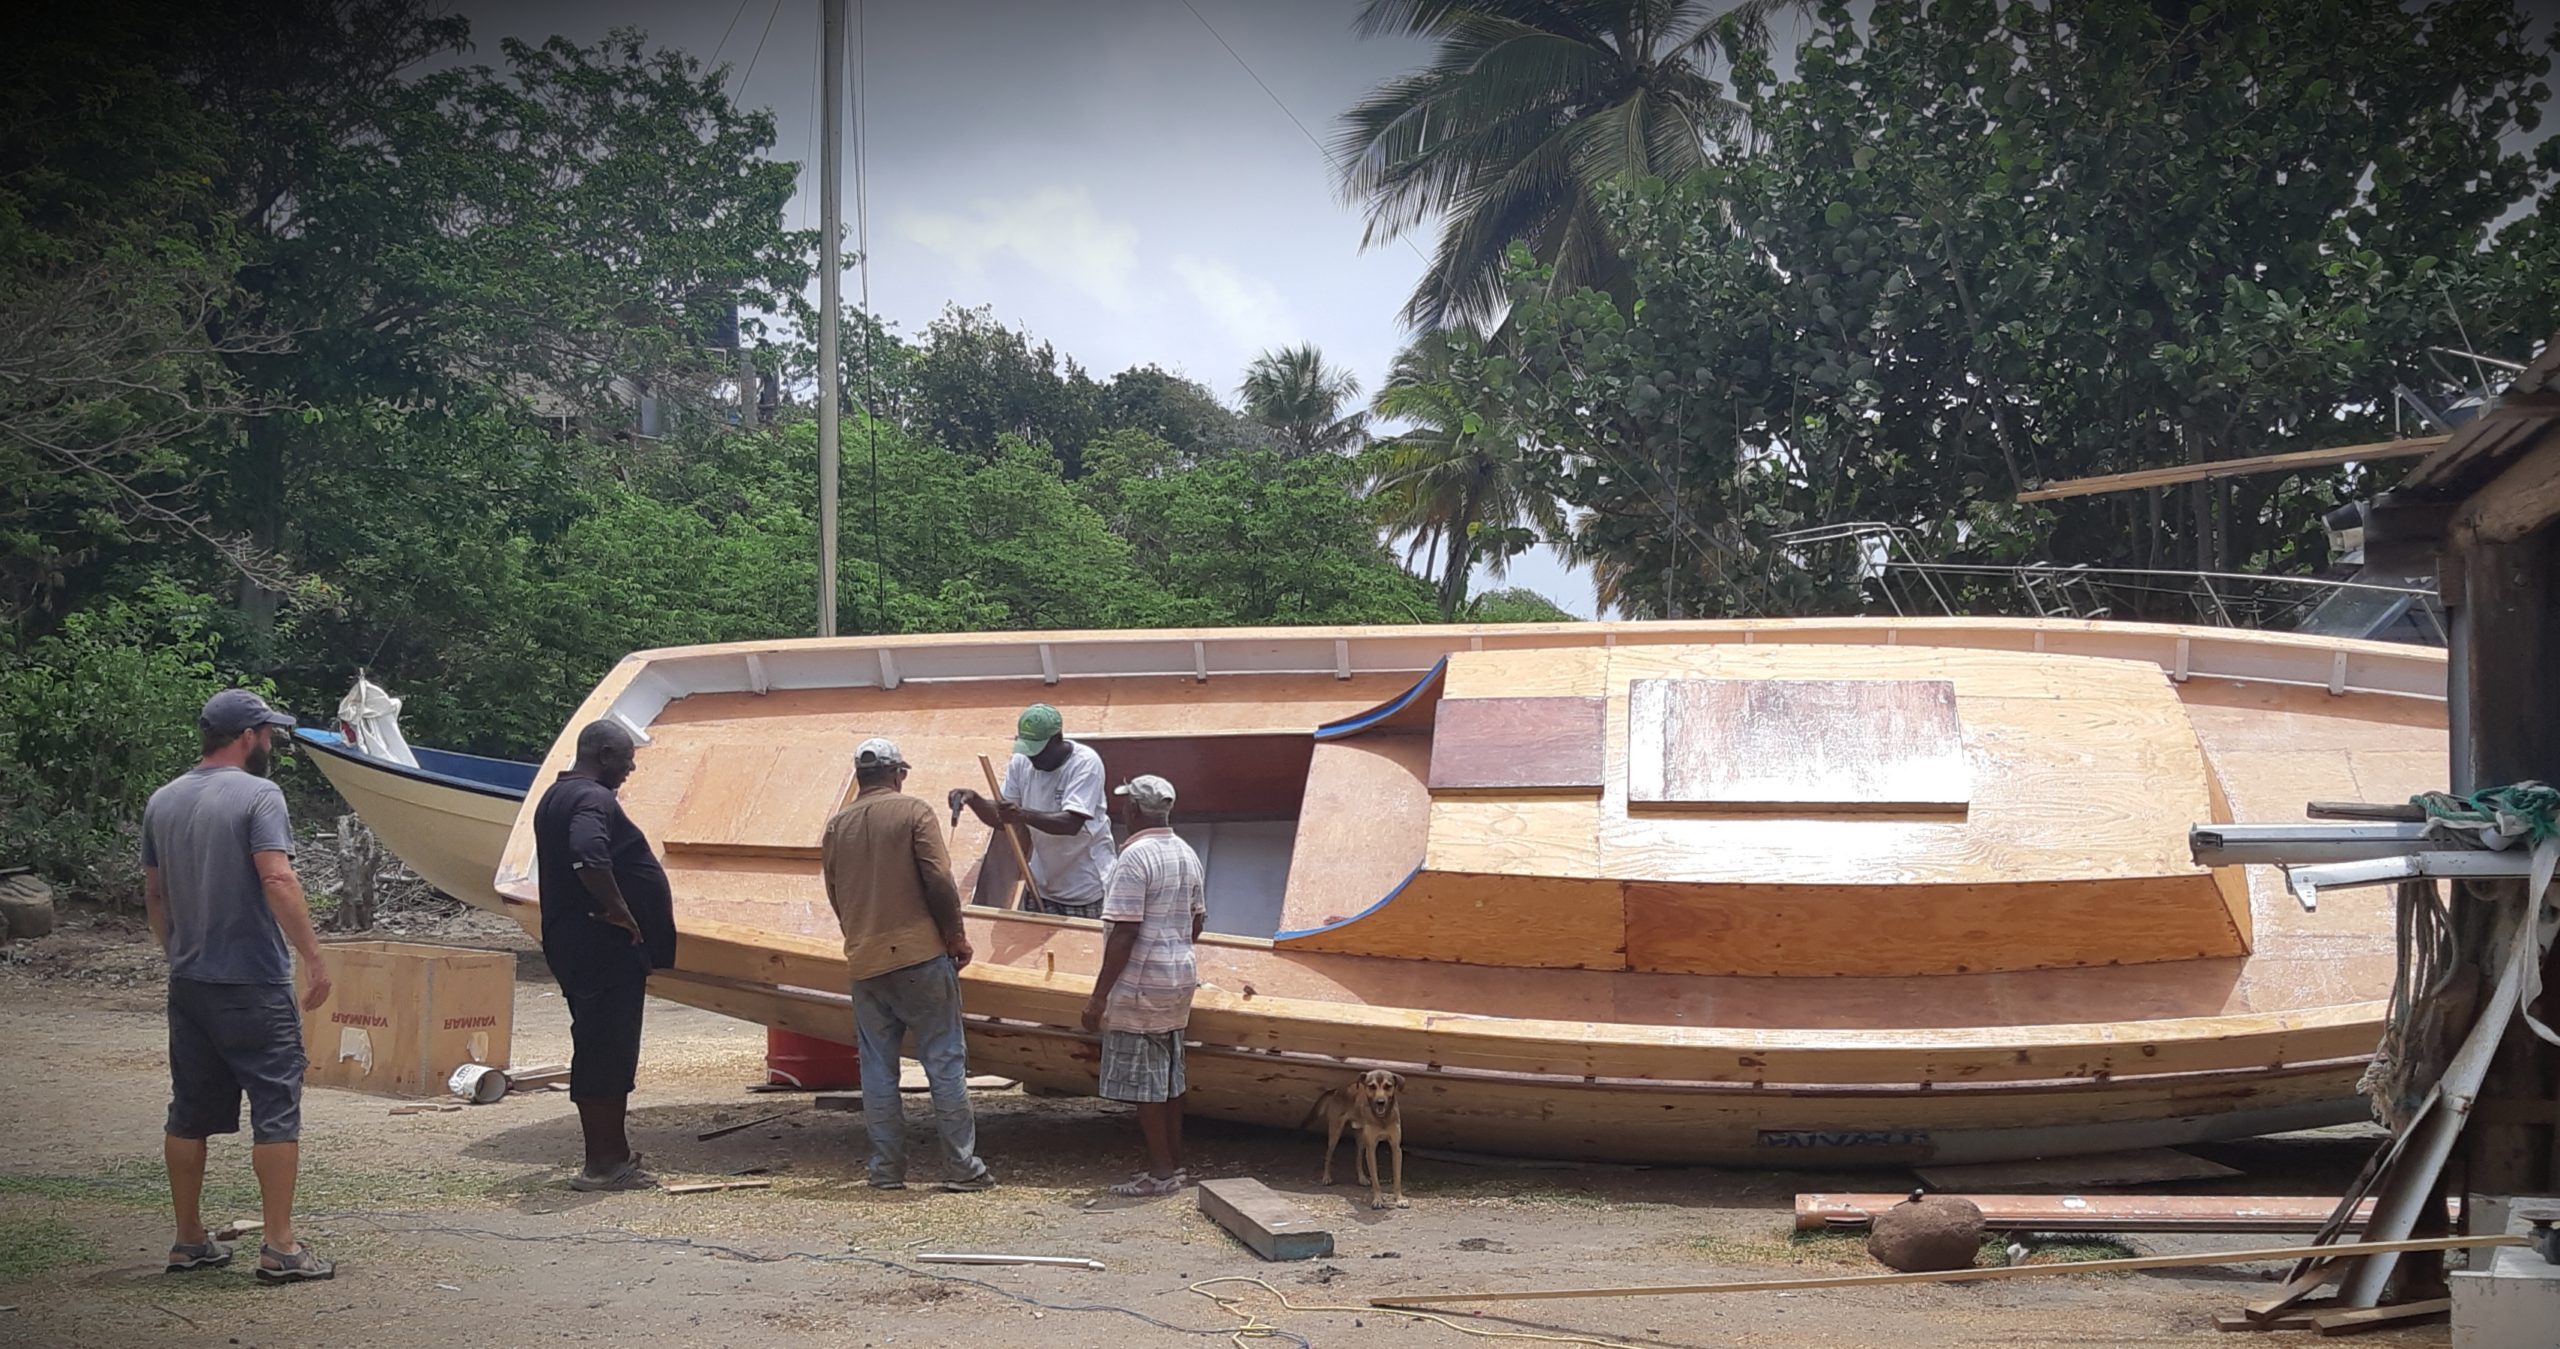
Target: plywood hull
1634,1121
1573,1048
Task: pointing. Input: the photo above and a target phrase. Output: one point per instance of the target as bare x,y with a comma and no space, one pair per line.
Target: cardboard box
401,1016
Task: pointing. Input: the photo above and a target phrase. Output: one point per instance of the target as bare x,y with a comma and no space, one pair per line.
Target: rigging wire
769,17
739,13
1329,158
870,324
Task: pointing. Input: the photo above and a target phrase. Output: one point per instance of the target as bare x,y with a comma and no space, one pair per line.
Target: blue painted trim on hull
1389,898
1335,730
505,779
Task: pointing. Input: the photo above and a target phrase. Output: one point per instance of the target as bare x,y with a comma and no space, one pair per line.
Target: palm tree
1460,475
1527,110
1300,398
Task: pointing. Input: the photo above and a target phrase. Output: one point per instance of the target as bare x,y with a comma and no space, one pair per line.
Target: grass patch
30,1246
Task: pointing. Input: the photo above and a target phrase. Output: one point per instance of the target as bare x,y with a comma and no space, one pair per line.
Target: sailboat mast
830,269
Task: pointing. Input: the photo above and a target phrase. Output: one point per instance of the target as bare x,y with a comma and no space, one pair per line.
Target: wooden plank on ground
1774,744
2234,468
1519,745
1271,1225
2101,1213
2266,1255
2141,1166
2371,1318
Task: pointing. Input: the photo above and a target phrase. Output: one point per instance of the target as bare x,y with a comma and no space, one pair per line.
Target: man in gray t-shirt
217,879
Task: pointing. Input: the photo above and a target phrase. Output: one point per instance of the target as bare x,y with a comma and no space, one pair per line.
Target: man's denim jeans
922,1000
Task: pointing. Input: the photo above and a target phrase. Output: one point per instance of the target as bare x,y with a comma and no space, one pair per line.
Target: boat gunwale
644,683
337,747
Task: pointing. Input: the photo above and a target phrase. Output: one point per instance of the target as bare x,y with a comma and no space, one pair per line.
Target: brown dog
1370,1108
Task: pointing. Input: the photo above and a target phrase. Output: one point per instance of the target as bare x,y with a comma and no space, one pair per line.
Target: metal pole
830,270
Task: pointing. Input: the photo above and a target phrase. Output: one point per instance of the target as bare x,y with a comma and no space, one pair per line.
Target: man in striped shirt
1153,906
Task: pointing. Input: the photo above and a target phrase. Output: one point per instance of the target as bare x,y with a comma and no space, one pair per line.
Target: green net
2526,810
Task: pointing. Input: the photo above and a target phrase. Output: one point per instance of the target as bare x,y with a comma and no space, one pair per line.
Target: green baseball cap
1038,725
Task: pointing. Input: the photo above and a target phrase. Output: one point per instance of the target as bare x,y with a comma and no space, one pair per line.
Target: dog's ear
1396,1080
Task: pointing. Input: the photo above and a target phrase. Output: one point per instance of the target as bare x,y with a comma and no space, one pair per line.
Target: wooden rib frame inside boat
1684,1091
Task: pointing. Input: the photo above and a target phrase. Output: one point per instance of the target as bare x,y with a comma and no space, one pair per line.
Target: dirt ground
456,1230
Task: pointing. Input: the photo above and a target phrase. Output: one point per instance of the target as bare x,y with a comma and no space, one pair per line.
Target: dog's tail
1314,1110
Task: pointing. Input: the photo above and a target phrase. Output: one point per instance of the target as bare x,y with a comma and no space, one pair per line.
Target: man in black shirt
607,920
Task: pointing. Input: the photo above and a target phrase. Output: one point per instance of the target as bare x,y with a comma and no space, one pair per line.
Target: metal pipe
830,272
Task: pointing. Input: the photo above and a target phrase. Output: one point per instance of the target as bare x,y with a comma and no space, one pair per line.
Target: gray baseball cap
234,710
879,752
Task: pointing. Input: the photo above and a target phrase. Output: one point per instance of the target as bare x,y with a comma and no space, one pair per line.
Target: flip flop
296,1266
205,1254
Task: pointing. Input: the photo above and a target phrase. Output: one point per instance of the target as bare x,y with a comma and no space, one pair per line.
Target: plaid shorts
1069,908
1142,1066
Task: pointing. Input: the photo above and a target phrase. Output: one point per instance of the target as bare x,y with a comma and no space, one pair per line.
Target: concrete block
1272,1225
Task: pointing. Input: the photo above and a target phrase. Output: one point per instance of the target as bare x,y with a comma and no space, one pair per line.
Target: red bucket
809,1063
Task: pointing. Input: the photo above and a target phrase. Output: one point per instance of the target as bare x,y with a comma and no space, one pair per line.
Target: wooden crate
401,1016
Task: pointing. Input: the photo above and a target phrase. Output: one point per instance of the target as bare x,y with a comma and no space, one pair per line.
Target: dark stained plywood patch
1780,744
1519,745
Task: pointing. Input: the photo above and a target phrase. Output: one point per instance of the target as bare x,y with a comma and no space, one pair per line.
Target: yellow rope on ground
1258,1328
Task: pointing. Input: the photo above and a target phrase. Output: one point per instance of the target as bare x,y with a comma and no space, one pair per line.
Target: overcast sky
1100,172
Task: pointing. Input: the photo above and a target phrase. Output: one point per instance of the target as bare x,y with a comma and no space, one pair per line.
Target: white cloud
1055,232
1248,308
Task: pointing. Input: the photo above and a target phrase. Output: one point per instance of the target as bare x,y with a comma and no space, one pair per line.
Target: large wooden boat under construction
1811,892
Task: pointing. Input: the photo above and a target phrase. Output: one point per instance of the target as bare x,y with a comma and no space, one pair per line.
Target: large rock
1936,1232
26,907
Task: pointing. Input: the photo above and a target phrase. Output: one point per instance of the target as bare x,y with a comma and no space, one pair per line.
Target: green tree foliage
289,319
1528,110
1980,244
1459,481
1304,403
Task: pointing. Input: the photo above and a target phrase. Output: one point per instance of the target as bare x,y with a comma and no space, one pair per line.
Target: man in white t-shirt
1153,910
1053,789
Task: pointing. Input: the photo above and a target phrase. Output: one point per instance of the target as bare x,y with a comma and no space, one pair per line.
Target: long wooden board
2234,468
2248,1257
2103,1213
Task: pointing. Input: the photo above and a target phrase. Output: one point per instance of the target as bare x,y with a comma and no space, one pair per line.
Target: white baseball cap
879,752
1147,790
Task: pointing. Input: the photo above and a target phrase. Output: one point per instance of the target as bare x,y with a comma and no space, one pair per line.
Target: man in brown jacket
888,875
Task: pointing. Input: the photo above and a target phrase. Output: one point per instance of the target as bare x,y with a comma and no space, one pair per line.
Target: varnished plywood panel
1519,745
1773,744
761,798
1925,930
1360,827
1531,921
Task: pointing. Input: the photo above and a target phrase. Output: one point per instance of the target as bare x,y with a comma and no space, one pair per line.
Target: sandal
296,1266
1146,1185
628,1176
205,1254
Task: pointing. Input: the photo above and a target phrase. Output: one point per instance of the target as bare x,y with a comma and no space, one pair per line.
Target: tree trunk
1462,554
359,877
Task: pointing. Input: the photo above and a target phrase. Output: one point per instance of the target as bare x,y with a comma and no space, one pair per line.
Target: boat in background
1802,892
446,816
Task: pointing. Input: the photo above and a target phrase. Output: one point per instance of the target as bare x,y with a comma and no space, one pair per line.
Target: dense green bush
93,718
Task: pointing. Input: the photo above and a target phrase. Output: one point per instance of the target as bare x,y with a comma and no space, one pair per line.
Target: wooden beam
2234,468
2098,1213
2338,1251
1274,1226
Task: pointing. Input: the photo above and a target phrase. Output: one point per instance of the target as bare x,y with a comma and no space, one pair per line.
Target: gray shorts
1142,1066
231,1040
